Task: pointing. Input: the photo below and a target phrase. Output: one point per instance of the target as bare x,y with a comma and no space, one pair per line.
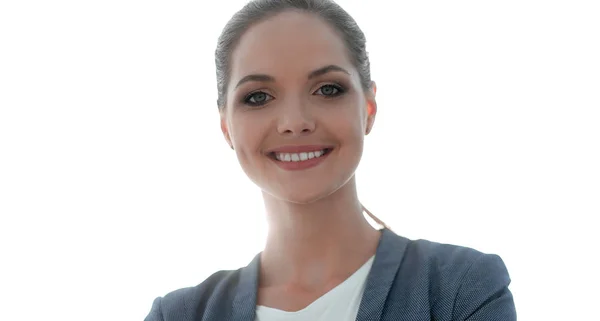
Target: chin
303,198
299,195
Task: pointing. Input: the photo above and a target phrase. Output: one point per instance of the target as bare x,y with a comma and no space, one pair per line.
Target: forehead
288,44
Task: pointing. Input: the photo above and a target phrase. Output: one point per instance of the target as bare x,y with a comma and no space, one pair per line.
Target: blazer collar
389,254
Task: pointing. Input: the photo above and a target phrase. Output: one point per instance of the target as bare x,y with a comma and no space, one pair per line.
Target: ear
371,107
225,129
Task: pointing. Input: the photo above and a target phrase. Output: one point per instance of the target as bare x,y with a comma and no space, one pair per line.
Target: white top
340,303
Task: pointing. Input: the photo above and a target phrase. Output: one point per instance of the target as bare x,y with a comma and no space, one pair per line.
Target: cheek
347,124
247,133
242,130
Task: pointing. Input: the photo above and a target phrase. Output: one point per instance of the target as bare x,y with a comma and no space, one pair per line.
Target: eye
257,98
330,90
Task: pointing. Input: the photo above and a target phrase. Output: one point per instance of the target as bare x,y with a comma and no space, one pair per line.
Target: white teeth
298,157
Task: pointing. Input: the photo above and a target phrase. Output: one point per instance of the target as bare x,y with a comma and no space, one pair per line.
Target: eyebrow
311,75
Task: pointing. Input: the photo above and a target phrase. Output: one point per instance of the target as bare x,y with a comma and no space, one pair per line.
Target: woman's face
296,112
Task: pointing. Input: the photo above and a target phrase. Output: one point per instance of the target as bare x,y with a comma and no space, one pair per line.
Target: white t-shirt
340,303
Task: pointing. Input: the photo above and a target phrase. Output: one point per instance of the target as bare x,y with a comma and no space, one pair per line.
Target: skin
318,235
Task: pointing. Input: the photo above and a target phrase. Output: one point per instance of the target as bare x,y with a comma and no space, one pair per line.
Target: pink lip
298,148
295,166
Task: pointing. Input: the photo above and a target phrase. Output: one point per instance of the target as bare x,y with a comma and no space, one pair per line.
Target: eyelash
340,91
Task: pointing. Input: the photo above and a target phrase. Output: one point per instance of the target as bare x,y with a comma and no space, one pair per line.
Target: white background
116,185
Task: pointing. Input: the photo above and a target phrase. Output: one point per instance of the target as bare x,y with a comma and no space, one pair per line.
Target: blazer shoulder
184,303
446,267
444,256
466,283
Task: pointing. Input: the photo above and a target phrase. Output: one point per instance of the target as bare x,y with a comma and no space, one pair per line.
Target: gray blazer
409,281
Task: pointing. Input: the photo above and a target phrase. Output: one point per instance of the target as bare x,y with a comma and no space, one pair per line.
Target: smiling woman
296,101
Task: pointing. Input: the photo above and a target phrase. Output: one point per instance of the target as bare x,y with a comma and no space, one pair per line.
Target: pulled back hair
259,10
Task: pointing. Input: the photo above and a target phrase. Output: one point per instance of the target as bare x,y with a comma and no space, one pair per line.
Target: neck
316,243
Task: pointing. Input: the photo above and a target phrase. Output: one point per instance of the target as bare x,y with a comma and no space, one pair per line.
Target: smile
299,157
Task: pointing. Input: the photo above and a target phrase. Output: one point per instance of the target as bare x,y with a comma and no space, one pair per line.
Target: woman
296,101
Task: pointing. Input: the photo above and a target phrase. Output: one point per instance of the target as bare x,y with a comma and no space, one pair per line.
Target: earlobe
371,108
371,102
371,112
225,131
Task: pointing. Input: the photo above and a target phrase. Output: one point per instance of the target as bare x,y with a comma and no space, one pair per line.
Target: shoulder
458,280
184,303
441,256
455,261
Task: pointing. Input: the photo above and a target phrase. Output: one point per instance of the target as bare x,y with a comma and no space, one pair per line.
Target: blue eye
257,98
330,90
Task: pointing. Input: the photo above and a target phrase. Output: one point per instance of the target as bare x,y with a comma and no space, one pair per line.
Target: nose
296,119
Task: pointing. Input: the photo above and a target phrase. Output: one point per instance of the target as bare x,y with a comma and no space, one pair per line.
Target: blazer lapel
388,257
244,302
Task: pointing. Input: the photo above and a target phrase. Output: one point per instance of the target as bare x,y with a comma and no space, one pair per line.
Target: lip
298,148
301,165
